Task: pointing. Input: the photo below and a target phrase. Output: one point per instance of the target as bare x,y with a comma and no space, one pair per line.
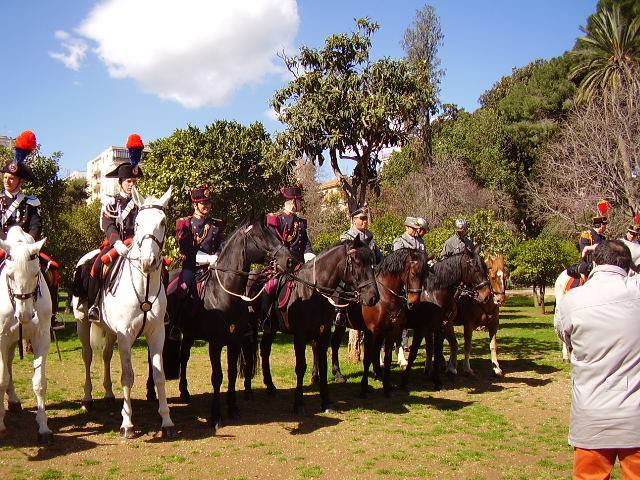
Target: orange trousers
597,464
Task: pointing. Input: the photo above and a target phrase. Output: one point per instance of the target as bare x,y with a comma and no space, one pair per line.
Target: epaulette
586,234
33,200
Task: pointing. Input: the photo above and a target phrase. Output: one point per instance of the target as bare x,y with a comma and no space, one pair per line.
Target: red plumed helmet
134,141
603,207
26,140
637,219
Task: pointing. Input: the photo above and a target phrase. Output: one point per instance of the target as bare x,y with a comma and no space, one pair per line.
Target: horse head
22,270
403,268
416,265
474,274
497,278
358,271
150,229
263,246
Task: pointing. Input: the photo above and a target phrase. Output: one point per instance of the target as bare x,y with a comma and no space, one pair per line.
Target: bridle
473,291
151,236
405,282
23,296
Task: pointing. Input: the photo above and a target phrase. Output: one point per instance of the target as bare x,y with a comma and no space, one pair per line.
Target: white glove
121,248
204,259
309,256
213,260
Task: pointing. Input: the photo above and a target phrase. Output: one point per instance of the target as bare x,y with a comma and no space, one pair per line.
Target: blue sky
196,61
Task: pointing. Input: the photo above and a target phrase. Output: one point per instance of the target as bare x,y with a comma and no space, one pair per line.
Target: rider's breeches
93,287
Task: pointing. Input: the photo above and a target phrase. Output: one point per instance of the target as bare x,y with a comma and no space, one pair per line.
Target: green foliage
324,240
237,162
339,101
75,193
400,164
537,262
608,57
435,238
385,229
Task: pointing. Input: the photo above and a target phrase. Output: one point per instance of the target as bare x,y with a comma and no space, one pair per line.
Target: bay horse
223,318
133,302
464,270
399,277
310,310
25,312
474,315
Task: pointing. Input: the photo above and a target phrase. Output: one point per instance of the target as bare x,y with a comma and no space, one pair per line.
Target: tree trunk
355,345
536,302
541,289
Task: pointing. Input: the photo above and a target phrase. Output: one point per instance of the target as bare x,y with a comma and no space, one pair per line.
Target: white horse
562,280
25,311
133,305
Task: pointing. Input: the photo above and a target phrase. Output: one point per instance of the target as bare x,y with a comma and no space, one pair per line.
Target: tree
608,56
341,102
239,164
537,263
596,155
421,43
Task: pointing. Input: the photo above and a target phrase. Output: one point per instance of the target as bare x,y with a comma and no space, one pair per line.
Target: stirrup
56,324
340,320
93,314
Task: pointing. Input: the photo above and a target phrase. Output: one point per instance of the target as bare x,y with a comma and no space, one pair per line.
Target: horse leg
299,346
185,354
377,361
413,353
249,352
14,405
107,354
322,367
565,352
5,377
438,346
315,371
126,378
450,333
215,351
386,371
40,344
265,353
336,341
151,386
233,353
366,363
468,337
155,343
493,345
84,333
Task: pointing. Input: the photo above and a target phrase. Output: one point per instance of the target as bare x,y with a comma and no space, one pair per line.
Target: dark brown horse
399,278
474,315
309,314
464,270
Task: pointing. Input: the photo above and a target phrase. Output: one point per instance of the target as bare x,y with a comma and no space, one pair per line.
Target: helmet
461,224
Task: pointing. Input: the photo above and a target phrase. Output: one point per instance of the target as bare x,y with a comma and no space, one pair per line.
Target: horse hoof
437,387
127,432
339,378
328,408
315,379
87,405
14,407
272,390
215,425
168,433
151,396
498,373
45,438
185,397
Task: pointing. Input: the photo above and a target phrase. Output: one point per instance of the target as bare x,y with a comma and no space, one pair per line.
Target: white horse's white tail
97,337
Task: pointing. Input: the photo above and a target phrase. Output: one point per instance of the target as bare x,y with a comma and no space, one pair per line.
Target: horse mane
394,263
16,235
446,272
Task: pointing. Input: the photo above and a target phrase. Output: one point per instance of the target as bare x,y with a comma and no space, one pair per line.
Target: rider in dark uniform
289,227
200,238
22,210
589,239
117,218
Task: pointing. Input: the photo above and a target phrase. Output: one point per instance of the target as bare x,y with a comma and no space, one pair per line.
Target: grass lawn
476,428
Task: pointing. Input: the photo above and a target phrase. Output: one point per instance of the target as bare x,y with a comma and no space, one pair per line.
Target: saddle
179,288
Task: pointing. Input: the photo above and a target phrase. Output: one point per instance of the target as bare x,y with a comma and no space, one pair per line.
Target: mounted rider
459,241
200,239
410,238
16,208
117,220
589,239
633,230
289,227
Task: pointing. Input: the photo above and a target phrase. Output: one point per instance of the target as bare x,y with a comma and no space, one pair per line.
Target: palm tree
608,57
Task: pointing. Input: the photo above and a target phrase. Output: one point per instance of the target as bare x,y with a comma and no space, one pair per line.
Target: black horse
399,277
224,317
462,271
309,314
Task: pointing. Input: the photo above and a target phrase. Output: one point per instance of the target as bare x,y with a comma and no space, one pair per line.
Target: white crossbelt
12,208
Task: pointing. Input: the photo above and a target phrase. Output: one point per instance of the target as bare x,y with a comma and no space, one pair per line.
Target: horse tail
249,351
97,337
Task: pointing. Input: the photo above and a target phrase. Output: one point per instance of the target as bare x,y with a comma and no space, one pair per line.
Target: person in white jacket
600,324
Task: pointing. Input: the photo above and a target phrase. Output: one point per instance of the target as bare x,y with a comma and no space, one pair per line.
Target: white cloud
76,50
271,114
195,52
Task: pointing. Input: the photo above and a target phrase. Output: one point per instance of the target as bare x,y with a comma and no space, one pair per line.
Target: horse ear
138,199
34,248
164,199
4,245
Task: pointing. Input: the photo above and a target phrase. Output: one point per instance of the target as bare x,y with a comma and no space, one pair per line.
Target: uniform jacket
601,322
117,218
589,237
365,236
407,241
199,234
455,244
22,210
292,232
